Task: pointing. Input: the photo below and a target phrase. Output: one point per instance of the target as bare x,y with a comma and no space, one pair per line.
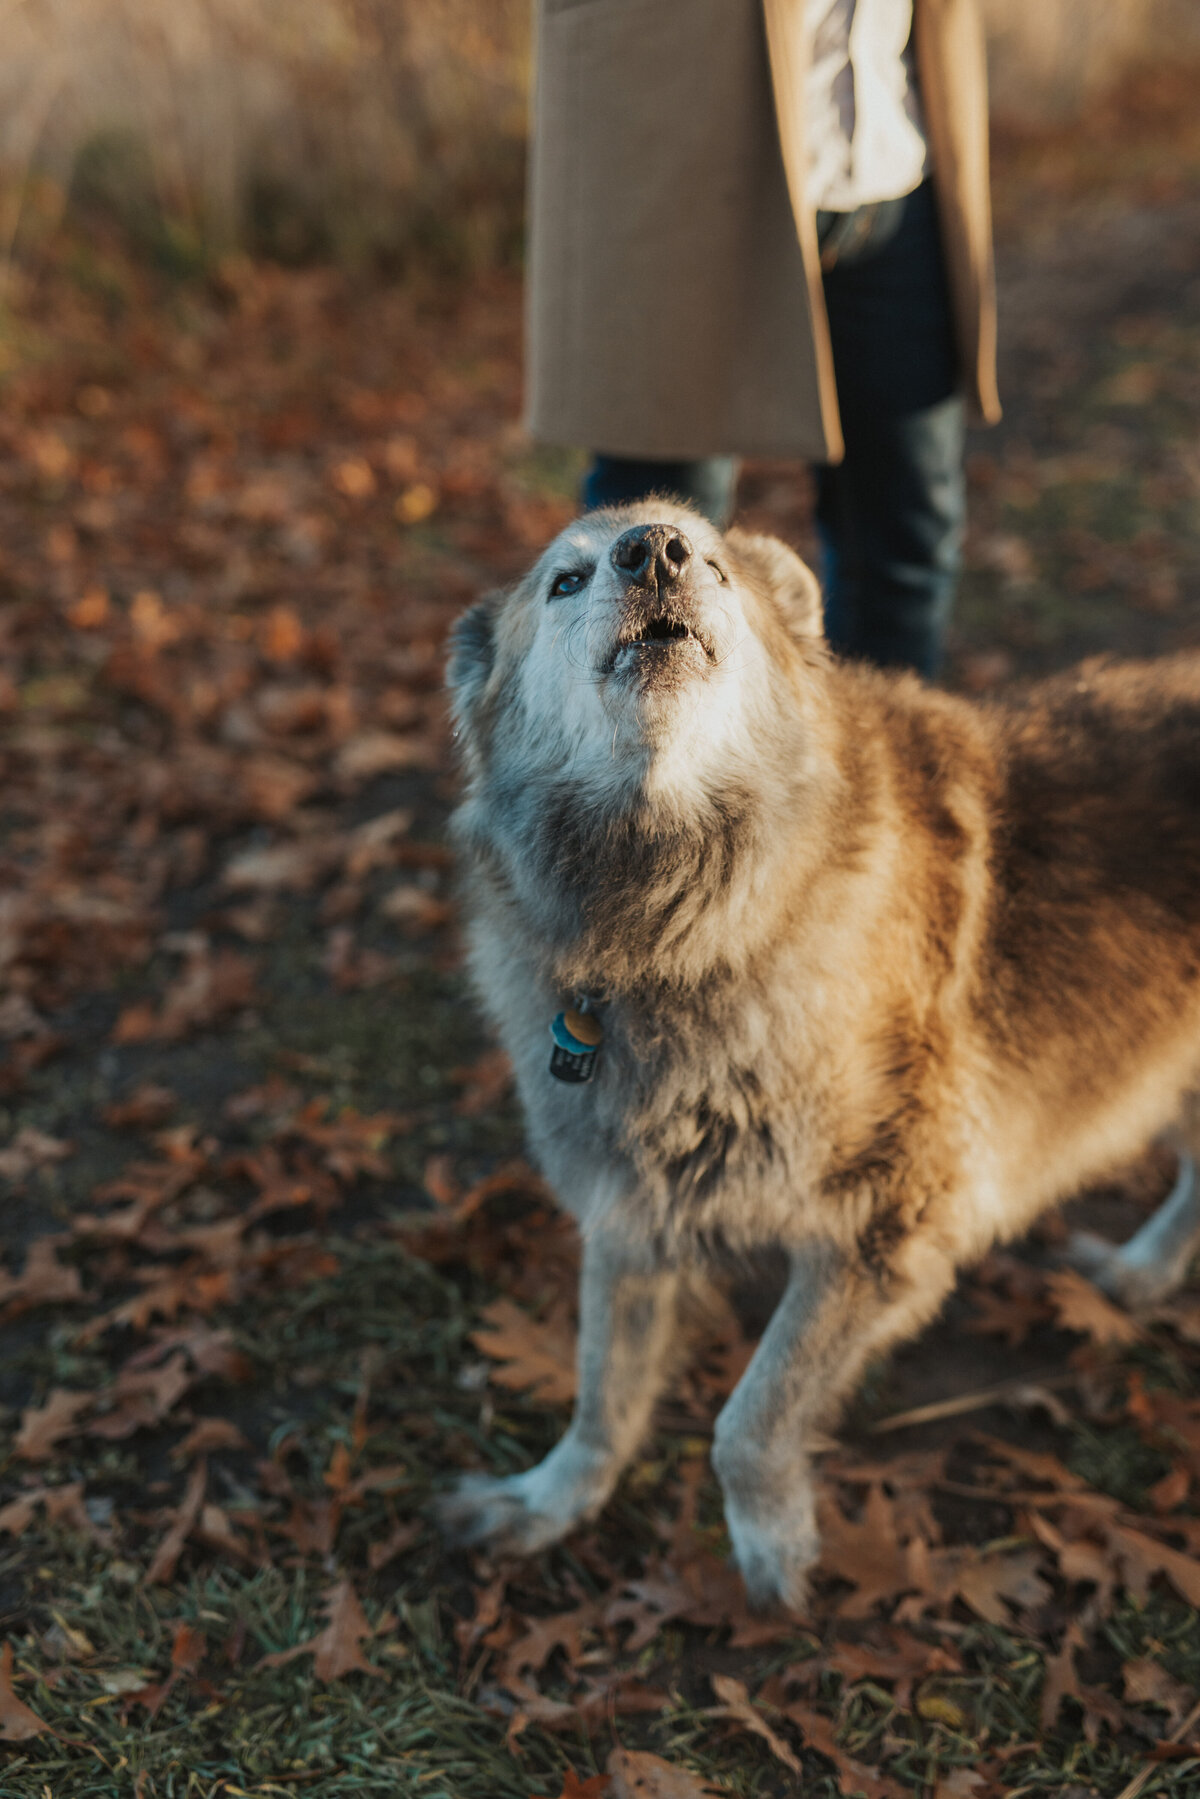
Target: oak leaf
536,1356
889,1654
336,1650
562,1630
44,1280
1061,1681
1011,1316
701,1589
982,1581
1148,1683
141,1397
64,1505
1079,1306
852,1776
867,1552
1078,1557
43,1427
1141,1557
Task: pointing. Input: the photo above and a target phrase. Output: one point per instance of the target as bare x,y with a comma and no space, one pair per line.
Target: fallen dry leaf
31,1149
888,1654
867,1552
17,1722
532,1649
398,1539
589,1787
852,1776
208,1434
1061,1679
166,1557
989,1583
1081,1307
293,867
63,1505
735,1705
536,1356
1148,1683
44,1280
414,908
140,1397
212,984
637,1774
963,1783
1140,1558
1011,1315
373,753
336,1650
148,1105
44,1427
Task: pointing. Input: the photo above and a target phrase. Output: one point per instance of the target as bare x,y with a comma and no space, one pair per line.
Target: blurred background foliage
363,131
377,133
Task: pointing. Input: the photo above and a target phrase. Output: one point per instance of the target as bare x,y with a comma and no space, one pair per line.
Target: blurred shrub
1049,59
364,130
372,131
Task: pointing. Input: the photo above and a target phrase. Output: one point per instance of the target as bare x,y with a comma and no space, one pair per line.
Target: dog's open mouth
649,633
658,630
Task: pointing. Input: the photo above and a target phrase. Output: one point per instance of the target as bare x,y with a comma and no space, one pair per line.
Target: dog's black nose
652,554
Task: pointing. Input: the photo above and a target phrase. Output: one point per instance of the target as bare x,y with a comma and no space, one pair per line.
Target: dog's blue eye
563,584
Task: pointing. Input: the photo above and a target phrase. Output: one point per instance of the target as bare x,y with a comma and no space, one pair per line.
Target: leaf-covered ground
275,1271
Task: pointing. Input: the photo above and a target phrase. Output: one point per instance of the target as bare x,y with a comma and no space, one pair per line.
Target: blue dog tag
572,1059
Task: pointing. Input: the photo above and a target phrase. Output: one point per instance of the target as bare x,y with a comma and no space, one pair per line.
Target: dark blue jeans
890,516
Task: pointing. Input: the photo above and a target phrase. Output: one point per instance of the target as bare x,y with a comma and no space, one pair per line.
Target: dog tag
573,1057
585,1027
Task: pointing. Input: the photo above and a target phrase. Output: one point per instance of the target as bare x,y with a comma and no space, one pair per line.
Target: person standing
763,227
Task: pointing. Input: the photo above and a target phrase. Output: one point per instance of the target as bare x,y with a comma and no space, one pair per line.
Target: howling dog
793,955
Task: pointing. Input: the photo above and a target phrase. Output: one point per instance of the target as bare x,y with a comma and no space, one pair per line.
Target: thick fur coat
881,974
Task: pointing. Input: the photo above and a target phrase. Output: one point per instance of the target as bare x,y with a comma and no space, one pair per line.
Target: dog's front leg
832,1317
627,1327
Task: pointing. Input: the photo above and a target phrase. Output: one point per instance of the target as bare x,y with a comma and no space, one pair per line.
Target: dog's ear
472,650
776,570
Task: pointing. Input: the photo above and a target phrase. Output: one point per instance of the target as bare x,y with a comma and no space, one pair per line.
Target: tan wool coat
675,306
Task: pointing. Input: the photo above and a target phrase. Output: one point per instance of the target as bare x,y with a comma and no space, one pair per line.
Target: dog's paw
527,1512
499,1513
774,1557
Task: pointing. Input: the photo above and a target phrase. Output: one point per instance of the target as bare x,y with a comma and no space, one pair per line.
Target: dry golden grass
362,129
321,126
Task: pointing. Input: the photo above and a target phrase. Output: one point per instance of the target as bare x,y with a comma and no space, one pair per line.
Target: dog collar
577,1035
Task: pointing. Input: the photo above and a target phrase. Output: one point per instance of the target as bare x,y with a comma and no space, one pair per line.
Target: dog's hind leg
834,1315
1156,1259
628,1330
